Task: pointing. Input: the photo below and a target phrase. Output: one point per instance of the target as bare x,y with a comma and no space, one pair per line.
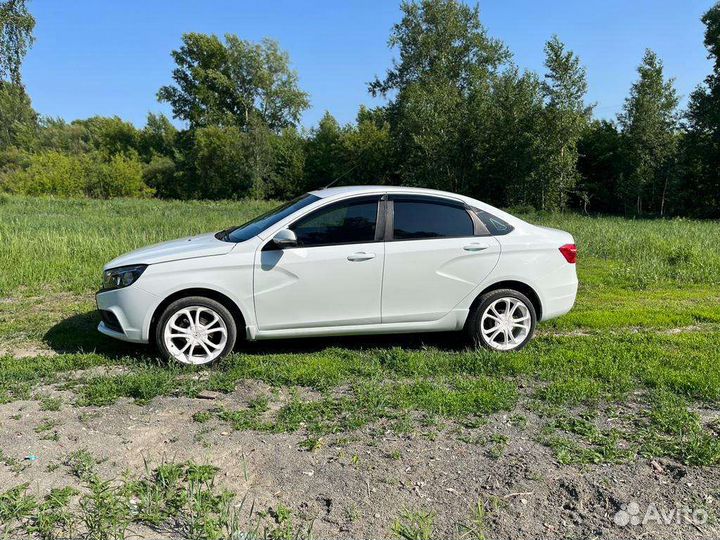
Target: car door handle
475,247
360,256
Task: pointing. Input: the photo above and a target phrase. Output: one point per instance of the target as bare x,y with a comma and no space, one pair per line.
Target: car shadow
79,334
448,341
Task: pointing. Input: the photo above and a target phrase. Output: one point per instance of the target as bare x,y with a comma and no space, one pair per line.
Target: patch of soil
355,485
26,351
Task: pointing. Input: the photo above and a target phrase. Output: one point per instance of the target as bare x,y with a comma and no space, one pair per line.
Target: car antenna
351,169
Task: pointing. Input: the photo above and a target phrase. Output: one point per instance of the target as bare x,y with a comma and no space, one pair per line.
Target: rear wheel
196,331
504,320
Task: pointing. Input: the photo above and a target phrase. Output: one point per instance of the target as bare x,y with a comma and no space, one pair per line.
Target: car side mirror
285,238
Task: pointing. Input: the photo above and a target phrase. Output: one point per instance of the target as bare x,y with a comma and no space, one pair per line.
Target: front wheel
504,320
196,331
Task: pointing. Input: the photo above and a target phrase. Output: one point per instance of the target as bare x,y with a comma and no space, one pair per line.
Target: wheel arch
518,286
229,303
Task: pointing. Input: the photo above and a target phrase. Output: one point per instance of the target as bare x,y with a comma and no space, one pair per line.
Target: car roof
358,190
345,191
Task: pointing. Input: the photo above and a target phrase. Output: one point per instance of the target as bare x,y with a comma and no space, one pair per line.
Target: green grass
61,245
181,499
646,329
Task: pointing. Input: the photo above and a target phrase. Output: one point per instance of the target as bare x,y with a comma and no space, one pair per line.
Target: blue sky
110,57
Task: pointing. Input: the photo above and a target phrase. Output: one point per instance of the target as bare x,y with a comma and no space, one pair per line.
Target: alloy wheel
505,323
195,335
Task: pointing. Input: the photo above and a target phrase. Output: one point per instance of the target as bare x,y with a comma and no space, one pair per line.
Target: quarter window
414,219
494,225
349,222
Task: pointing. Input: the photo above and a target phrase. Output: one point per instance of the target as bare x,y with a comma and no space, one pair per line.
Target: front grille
110,320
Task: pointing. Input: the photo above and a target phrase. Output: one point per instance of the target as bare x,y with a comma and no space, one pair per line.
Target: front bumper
130,310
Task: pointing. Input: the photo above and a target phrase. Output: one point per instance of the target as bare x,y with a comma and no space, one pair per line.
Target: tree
649,124
111,135
600,168
324,161
368,148
506,126
158,137
288,165
446,61
701,145
234,83
56,134
18,120
16,37
564,119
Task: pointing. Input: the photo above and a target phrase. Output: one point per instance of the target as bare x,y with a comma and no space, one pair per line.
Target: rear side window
348,222
495,225
416,219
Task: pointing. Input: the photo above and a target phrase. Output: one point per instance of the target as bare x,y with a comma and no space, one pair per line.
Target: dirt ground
357,484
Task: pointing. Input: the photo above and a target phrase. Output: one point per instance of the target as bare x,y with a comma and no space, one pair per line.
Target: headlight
123,276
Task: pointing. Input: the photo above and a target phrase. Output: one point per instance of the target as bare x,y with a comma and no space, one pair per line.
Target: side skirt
455,320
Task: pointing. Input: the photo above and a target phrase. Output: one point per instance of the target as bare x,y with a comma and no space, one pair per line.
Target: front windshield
262,222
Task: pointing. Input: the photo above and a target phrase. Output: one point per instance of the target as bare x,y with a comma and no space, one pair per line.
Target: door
437,254
334,275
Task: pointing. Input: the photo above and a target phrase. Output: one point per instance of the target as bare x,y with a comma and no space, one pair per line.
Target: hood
203,245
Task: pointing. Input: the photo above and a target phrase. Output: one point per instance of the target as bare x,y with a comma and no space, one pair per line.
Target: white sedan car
340,261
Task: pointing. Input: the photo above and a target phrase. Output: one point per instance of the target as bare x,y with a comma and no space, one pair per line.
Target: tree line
459,115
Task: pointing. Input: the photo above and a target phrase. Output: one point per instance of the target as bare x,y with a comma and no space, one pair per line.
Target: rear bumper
126,314
559,299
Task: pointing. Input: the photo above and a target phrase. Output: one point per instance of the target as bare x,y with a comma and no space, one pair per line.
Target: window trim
479,228
380,219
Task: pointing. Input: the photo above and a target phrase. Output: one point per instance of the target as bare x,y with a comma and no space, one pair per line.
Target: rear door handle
360,256
475,247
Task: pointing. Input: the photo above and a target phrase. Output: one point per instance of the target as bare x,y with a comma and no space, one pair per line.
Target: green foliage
649,124
368,148
222,163
324,160
668,429
506,128
18,120
700,157
158,137
81,464
564,119
287,177
414,525
90,175
234,83
600,168
48,403
16,37
178,498
447,62
160,175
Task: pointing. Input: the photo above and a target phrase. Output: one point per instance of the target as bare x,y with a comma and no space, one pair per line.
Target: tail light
569,251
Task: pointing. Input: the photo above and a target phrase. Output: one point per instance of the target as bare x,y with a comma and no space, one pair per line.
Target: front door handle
475,247
360,256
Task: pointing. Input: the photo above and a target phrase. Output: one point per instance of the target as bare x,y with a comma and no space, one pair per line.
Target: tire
180,338
487,324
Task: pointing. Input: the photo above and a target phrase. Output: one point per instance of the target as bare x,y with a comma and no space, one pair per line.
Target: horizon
123,50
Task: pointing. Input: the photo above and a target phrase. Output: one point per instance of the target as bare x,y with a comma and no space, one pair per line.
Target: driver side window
346,222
